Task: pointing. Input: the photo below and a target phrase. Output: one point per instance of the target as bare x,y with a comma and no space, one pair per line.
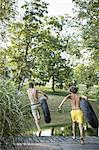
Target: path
56,143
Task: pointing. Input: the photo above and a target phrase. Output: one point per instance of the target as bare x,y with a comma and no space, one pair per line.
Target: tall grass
11,112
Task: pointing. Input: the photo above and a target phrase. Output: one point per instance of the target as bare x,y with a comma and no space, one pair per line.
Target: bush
11,115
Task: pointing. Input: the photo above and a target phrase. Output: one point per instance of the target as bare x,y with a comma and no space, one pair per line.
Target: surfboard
89,113
45,109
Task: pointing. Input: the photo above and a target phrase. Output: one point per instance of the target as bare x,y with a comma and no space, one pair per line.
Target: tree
50,62
6,9
36,46
7,12
24,40
87,13
86,75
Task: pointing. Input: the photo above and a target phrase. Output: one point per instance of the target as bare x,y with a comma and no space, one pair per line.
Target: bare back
33,95
75,101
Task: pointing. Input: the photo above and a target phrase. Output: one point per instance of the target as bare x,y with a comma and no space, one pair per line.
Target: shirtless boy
34,101
76,113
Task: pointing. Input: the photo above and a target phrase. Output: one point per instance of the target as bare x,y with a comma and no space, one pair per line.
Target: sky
56,7
59,7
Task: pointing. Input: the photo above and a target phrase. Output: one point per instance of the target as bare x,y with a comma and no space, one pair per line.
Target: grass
57,118
49,91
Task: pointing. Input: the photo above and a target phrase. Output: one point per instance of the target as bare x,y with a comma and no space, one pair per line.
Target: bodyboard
89,113
45,109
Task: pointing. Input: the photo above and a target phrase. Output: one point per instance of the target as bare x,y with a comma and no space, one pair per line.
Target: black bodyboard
45,109
89,113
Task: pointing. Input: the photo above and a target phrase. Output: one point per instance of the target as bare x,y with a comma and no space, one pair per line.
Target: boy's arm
42,93
68,96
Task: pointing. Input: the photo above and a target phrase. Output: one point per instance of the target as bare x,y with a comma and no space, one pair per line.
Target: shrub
11,115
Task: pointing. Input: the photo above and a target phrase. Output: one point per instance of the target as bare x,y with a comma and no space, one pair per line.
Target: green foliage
7,13
35,51
97,93
50,63
37,43
11,116
86,75
87,13
6,8
63,131
24,38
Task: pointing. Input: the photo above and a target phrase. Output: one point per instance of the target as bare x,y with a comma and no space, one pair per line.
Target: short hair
73,89
31,85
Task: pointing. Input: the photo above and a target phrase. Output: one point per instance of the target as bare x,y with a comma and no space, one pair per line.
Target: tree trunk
53,81
21,83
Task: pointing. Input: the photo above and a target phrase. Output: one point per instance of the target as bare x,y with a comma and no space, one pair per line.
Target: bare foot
82,141
73,137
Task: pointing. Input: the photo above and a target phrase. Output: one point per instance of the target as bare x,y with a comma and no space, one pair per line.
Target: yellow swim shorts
77,116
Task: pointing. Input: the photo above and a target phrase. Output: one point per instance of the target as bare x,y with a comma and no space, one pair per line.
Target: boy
34,100
76,113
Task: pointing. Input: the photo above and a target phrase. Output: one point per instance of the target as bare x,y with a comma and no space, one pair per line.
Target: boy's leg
37,122
36,116
73,124
74,129
81,133
80,121
81,129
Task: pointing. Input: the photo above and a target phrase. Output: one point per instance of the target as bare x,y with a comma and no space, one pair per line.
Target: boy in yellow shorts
76,113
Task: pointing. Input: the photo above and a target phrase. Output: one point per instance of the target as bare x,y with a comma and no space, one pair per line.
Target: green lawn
57,118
